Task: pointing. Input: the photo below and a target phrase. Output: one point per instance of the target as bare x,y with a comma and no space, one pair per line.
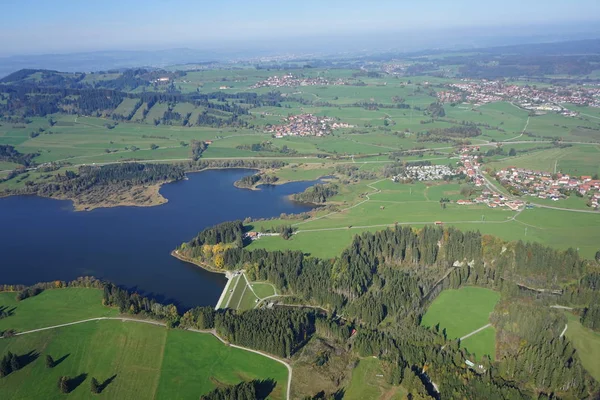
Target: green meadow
587,344
462,311
130,359
368,382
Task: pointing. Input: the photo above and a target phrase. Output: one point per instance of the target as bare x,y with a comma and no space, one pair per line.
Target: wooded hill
39,93
392,275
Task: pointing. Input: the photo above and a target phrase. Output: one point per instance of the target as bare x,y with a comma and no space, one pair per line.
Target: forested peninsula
123,184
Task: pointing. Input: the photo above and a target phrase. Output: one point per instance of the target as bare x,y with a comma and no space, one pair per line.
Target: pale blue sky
34,26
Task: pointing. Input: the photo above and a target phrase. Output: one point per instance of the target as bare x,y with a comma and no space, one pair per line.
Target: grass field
587,343
231,288
576,160
194,364
463,311
241,296
239,289
481,344
136,360
369,382
53,307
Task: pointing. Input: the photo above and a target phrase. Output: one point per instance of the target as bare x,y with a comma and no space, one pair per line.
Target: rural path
561,307
564,331
145,321
471,334
375,190
475,331
522,132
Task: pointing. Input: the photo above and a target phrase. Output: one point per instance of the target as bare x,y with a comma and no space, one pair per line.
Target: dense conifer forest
318,193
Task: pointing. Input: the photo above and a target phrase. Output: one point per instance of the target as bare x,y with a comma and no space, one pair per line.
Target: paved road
145,321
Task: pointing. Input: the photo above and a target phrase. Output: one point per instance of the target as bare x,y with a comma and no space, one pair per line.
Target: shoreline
155,198
228,274
205,267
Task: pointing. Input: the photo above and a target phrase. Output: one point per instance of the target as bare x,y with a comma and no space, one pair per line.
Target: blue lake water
43,239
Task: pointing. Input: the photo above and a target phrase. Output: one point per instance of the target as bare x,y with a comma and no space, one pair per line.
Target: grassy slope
194,364
148,361
366,384
461,311
482,343
53,307
587,343
101,349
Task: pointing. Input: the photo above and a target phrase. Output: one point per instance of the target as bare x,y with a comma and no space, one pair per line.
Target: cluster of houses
493,200
425,173
306,125
257,235
290,80
469,165
533,98
544,185
162,79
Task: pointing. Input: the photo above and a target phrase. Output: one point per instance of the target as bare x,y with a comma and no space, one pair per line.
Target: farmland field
134,360
53,307
576,160
460,312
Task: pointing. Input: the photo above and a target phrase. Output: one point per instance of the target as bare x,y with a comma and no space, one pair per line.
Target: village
527,97
425,173
544,185
469,167
306,125
290,80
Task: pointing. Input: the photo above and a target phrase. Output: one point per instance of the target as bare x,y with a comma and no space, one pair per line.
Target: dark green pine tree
5,366
15,365
94,386
49,361
63,384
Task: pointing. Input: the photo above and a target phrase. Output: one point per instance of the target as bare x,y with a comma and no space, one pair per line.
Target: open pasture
131,359
575,160
460,312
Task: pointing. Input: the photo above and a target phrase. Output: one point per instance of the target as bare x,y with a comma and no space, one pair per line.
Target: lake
44,239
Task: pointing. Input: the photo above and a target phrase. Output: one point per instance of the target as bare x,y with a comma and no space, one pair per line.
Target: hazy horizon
37,27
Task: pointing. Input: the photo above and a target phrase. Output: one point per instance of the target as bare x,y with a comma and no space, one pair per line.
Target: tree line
9,154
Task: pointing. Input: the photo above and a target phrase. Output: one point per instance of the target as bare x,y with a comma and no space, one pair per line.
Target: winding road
157,323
